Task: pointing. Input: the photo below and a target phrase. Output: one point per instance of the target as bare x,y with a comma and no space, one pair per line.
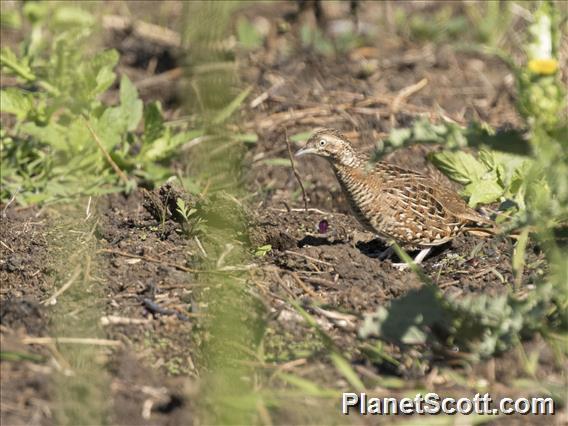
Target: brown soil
334,275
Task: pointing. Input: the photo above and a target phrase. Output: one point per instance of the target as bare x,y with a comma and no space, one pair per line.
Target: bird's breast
362,197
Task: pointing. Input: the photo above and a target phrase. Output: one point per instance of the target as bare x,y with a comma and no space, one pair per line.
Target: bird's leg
385,254
418,259
422,255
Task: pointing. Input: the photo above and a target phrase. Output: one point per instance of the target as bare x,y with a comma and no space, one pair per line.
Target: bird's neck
350,170
349,160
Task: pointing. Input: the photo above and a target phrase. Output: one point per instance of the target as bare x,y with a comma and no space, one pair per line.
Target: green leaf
424,131
307,387
518,260
460,166
226,112
20,356
19,66
35,10
398,137
53,134
130,104
180,203
300,137
262,250
249,138
166,144
153,121
247,34
345,369
110,127
72,16
315,38
11,19
407,319
483,192
104,64
277,162
16,101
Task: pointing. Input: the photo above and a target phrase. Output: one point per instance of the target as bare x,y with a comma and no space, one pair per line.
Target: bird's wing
424,187
417,207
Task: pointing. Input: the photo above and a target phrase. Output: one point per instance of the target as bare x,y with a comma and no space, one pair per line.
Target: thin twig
88,209
11,200
149,32
311,210
313,259
64,287
296,174
305,287
284,286
165,78
76,340
322,282
403,95
338,318
286,366
226,251
152,260
116,320
115,167
200,246
6,245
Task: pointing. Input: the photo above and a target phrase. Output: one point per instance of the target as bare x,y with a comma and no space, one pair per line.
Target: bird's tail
494,230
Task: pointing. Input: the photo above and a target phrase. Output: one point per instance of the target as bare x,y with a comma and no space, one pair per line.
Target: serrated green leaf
166,144
52,134
105,62
425,131
262,250
180,203
397,137
460,166
456,137
406,320
16,101
158,149
483,192
20,67
110,127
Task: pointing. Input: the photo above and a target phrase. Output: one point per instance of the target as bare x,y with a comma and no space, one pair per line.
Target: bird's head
332,145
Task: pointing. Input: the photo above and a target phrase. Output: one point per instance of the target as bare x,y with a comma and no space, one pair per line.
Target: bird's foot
400,266
417,260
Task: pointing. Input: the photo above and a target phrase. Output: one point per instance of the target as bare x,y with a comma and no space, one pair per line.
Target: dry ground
141,263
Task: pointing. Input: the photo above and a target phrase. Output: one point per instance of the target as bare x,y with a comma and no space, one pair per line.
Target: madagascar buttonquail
396,204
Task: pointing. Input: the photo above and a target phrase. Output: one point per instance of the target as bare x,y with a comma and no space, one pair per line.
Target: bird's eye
322,142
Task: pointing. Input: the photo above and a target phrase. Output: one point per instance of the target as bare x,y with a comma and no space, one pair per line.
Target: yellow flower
543,66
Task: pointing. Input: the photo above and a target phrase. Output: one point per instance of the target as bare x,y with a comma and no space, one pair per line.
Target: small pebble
323,226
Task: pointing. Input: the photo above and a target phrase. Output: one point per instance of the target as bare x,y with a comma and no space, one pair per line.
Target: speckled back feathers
402,205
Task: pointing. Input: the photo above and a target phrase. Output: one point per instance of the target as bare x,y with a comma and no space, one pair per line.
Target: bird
397,204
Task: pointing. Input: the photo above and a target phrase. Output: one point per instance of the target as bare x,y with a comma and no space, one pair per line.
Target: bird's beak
305,151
